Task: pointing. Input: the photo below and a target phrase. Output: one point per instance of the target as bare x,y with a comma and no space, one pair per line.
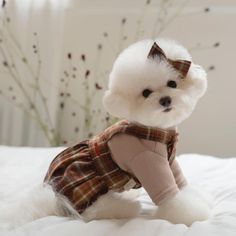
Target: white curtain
30,32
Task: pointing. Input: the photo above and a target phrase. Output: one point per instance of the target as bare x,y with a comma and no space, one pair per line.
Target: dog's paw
184,208
112,206
201,193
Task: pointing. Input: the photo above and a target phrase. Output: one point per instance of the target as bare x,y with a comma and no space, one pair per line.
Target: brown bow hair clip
181,66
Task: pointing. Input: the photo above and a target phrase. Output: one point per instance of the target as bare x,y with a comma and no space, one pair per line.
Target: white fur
113,205
186,207
131,74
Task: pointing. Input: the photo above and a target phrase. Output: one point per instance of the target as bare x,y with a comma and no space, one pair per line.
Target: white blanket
20,167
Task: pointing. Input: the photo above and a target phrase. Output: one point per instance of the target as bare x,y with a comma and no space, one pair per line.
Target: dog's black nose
165,101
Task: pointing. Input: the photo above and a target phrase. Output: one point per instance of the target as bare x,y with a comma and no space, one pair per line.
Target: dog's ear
197,76
116,104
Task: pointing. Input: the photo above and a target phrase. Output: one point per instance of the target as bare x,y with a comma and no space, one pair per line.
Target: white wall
212,127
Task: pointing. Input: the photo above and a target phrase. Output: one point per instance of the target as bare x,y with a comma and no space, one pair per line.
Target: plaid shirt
86,171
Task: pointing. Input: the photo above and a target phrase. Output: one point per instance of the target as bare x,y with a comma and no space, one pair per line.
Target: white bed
29,165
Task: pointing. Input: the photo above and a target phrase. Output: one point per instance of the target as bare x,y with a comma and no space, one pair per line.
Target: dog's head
149,89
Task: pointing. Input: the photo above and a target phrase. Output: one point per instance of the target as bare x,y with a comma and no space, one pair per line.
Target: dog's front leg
185,207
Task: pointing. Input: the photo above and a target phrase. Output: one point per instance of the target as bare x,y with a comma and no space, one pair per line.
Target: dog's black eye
146,92
172,84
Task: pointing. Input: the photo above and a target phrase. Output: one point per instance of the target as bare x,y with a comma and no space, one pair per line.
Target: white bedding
19,167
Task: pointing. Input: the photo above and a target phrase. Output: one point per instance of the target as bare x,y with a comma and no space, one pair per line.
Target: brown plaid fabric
180,65
86,171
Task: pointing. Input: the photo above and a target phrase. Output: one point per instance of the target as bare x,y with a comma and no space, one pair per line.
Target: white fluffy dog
152,93
132,76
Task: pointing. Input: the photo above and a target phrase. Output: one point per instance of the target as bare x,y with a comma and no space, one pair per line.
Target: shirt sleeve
150,168
123,148
178,174
155,175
